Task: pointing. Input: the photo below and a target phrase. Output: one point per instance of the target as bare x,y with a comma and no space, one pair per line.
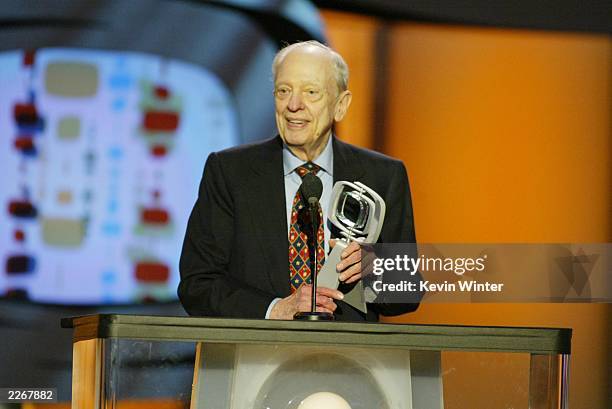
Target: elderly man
241,255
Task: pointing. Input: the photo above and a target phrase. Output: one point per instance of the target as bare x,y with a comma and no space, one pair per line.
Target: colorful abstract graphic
101,154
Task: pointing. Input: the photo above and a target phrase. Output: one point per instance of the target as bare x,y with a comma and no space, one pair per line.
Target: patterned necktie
300,231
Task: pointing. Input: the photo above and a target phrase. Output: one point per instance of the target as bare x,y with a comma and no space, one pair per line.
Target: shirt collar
325,160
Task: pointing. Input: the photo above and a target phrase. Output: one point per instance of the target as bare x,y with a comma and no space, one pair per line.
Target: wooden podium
253,364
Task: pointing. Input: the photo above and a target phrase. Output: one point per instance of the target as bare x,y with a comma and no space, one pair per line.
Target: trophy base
313,316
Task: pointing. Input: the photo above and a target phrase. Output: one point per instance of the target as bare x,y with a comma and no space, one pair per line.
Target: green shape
69,128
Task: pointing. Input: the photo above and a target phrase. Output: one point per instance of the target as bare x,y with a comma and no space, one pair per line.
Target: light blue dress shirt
293,181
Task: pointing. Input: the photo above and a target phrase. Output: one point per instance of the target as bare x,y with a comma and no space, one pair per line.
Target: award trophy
358,212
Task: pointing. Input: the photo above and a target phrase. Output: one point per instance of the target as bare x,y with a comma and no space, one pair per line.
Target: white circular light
324,400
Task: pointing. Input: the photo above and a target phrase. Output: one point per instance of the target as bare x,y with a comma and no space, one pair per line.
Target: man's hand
350,266
300,301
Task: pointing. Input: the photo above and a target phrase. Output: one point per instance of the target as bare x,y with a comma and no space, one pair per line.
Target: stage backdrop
108,110
506,135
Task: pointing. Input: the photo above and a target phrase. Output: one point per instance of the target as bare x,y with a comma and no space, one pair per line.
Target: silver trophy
358,212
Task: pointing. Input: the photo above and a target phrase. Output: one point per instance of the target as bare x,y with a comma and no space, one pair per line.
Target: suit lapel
346,166
269,214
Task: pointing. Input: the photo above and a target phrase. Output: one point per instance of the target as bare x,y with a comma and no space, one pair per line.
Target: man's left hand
349,267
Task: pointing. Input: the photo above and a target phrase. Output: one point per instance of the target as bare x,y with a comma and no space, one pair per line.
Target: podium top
228,330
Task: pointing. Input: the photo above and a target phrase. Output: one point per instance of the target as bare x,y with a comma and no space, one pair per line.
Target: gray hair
341,71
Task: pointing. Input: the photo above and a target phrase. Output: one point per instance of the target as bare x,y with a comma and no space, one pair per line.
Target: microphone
311,191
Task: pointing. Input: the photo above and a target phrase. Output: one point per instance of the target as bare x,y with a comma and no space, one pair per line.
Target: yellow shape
62,232
71,79
69,127
64,197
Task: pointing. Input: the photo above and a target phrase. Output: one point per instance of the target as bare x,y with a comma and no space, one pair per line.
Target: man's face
307,101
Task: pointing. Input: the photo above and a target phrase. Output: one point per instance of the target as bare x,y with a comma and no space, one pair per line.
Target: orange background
506,135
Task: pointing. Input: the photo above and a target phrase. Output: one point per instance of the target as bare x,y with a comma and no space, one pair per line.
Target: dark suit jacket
235,254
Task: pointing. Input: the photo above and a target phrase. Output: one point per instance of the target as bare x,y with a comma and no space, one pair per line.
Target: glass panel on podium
282,376
152,373
131,362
